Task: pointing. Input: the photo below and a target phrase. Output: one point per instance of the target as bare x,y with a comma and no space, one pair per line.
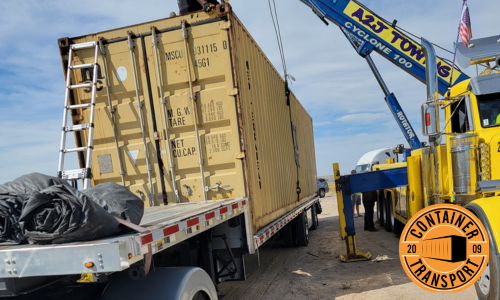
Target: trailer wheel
388,212
314,217
322,193
200,296
289,236
302,228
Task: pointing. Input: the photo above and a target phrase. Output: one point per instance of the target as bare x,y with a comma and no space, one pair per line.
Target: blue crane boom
368,32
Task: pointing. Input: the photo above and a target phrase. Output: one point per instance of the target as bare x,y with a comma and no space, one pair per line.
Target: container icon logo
444,248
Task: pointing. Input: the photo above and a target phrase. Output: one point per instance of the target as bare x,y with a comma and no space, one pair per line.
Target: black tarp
118,201
12,196
61,214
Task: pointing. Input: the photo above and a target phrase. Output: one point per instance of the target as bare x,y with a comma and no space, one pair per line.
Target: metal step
79,106
79,149
82,66
73,174
79,86
83,46
77,127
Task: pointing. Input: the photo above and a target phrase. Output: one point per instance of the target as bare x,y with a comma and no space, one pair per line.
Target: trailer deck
165,226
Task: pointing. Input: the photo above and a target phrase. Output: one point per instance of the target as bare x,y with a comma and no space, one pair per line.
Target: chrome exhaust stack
430,109
430,114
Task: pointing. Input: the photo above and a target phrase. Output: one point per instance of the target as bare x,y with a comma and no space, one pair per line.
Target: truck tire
488,285
314,217
381,212
302,228
289,236
322,193
388,212
397,227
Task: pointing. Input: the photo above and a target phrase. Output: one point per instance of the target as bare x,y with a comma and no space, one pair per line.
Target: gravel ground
316,272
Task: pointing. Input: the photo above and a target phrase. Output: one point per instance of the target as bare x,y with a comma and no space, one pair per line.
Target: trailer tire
302,228
289,236
314,217
200,296
388,212
164,283
319,209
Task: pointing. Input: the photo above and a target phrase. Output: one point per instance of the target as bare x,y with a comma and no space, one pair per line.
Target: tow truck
461,164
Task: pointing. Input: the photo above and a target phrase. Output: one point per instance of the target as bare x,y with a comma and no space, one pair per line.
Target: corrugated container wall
216,82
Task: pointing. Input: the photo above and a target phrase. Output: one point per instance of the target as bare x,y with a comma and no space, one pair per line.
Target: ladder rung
79,106
77,127
78,86
83,45
83,66
73,174
79,149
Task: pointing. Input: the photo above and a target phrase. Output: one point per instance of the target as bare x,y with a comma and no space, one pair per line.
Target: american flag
465,27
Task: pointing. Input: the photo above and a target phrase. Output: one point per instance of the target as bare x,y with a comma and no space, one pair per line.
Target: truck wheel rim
484,281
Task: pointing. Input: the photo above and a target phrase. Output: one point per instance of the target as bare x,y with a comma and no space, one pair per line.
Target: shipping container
216,119
451,248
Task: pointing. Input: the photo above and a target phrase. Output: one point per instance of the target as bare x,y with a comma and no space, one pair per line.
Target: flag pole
456,47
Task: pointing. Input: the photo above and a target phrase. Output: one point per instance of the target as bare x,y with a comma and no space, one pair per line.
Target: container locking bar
131,46
155,40
193,105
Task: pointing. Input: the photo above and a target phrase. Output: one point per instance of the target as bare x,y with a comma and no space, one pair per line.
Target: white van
375,157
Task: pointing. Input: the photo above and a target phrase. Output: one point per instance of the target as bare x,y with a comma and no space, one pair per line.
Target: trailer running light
427,119
130,256
89,264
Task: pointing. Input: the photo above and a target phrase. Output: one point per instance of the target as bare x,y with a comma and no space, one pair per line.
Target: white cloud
362,118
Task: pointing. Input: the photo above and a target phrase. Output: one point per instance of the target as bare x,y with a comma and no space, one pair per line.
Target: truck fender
176,283
486,214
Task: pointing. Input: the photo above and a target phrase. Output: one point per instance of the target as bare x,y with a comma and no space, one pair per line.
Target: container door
136,142
194,91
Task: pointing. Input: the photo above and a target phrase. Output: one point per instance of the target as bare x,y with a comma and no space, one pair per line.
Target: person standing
355,200
369,199
187,6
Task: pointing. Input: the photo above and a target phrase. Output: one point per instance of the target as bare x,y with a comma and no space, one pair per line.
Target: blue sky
333,82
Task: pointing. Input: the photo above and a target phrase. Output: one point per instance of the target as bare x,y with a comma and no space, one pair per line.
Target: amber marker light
89,264
198,227
130,256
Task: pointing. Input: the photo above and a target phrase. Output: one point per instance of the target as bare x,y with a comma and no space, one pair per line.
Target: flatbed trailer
26,268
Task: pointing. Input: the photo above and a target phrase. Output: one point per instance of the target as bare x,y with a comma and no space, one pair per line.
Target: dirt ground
316,272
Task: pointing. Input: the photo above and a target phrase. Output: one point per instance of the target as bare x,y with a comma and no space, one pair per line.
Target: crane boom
375,34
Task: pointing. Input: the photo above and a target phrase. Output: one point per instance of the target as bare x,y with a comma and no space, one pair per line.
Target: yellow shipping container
206,92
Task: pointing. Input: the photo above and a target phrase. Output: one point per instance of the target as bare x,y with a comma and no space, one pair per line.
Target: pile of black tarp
42,209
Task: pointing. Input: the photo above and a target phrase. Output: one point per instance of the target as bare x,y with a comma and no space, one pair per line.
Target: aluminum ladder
85,172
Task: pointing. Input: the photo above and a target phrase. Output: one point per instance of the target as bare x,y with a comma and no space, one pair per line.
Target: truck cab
370,159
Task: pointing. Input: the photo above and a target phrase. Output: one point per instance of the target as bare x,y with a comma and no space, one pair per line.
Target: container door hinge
239,155
232,92
225,25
